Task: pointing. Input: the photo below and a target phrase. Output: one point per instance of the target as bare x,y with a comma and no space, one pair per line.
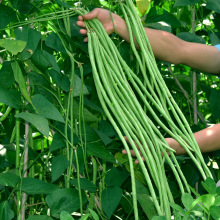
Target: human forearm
208,140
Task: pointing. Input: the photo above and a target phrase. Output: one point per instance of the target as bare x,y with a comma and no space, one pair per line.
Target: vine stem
27,130
186,95
195,119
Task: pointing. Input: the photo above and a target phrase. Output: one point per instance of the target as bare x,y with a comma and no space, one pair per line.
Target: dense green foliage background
35,83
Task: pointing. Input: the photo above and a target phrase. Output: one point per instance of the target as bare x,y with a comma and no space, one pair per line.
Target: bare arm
208,140
166,46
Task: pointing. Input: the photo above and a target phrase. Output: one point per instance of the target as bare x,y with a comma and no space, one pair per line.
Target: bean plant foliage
60,157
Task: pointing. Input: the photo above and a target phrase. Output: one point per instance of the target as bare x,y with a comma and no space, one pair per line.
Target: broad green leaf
35,186
95,150
91,2
13,46
11,98
6,75
65,216
57,142
215,103
33,40
179,3
19,78
43,60
215,212
143,5
191,37
54,42
7,15
209,185
77,87
111,197
85,184
93,214
38,121
6,213
9,179
88,116
23,6
217,201
46,108
59,165
208,200
116,176
145,200
187,200
39,217
178,208
105,139
64,200
63,4
213,5
62,80
74,27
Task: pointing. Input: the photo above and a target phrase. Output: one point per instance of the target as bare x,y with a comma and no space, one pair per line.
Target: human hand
171,142
104,16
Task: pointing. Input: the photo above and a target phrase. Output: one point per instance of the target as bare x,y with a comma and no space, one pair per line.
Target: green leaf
23,6
88,116
64,200
213,5
6,75
145,200
65,216
75,29
54,42
33,40
85,184
116,176
61,80
215,212
179,3
6,213
93,214
98,151
57,142
187,200
105,139
208,200
11,98
111,197
39,217
217,201
91,2
59,165
19,78
13,46
9,179
38,121
191,37
215,103
209,185
7,15
178,208
46,108
77,87
35,186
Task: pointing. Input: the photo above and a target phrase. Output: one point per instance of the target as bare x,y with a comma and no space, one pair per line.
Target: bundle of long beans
124,98
120,91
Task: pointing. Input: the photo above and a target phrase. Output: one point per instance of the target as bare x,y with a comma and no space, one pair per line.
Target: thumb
91,15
